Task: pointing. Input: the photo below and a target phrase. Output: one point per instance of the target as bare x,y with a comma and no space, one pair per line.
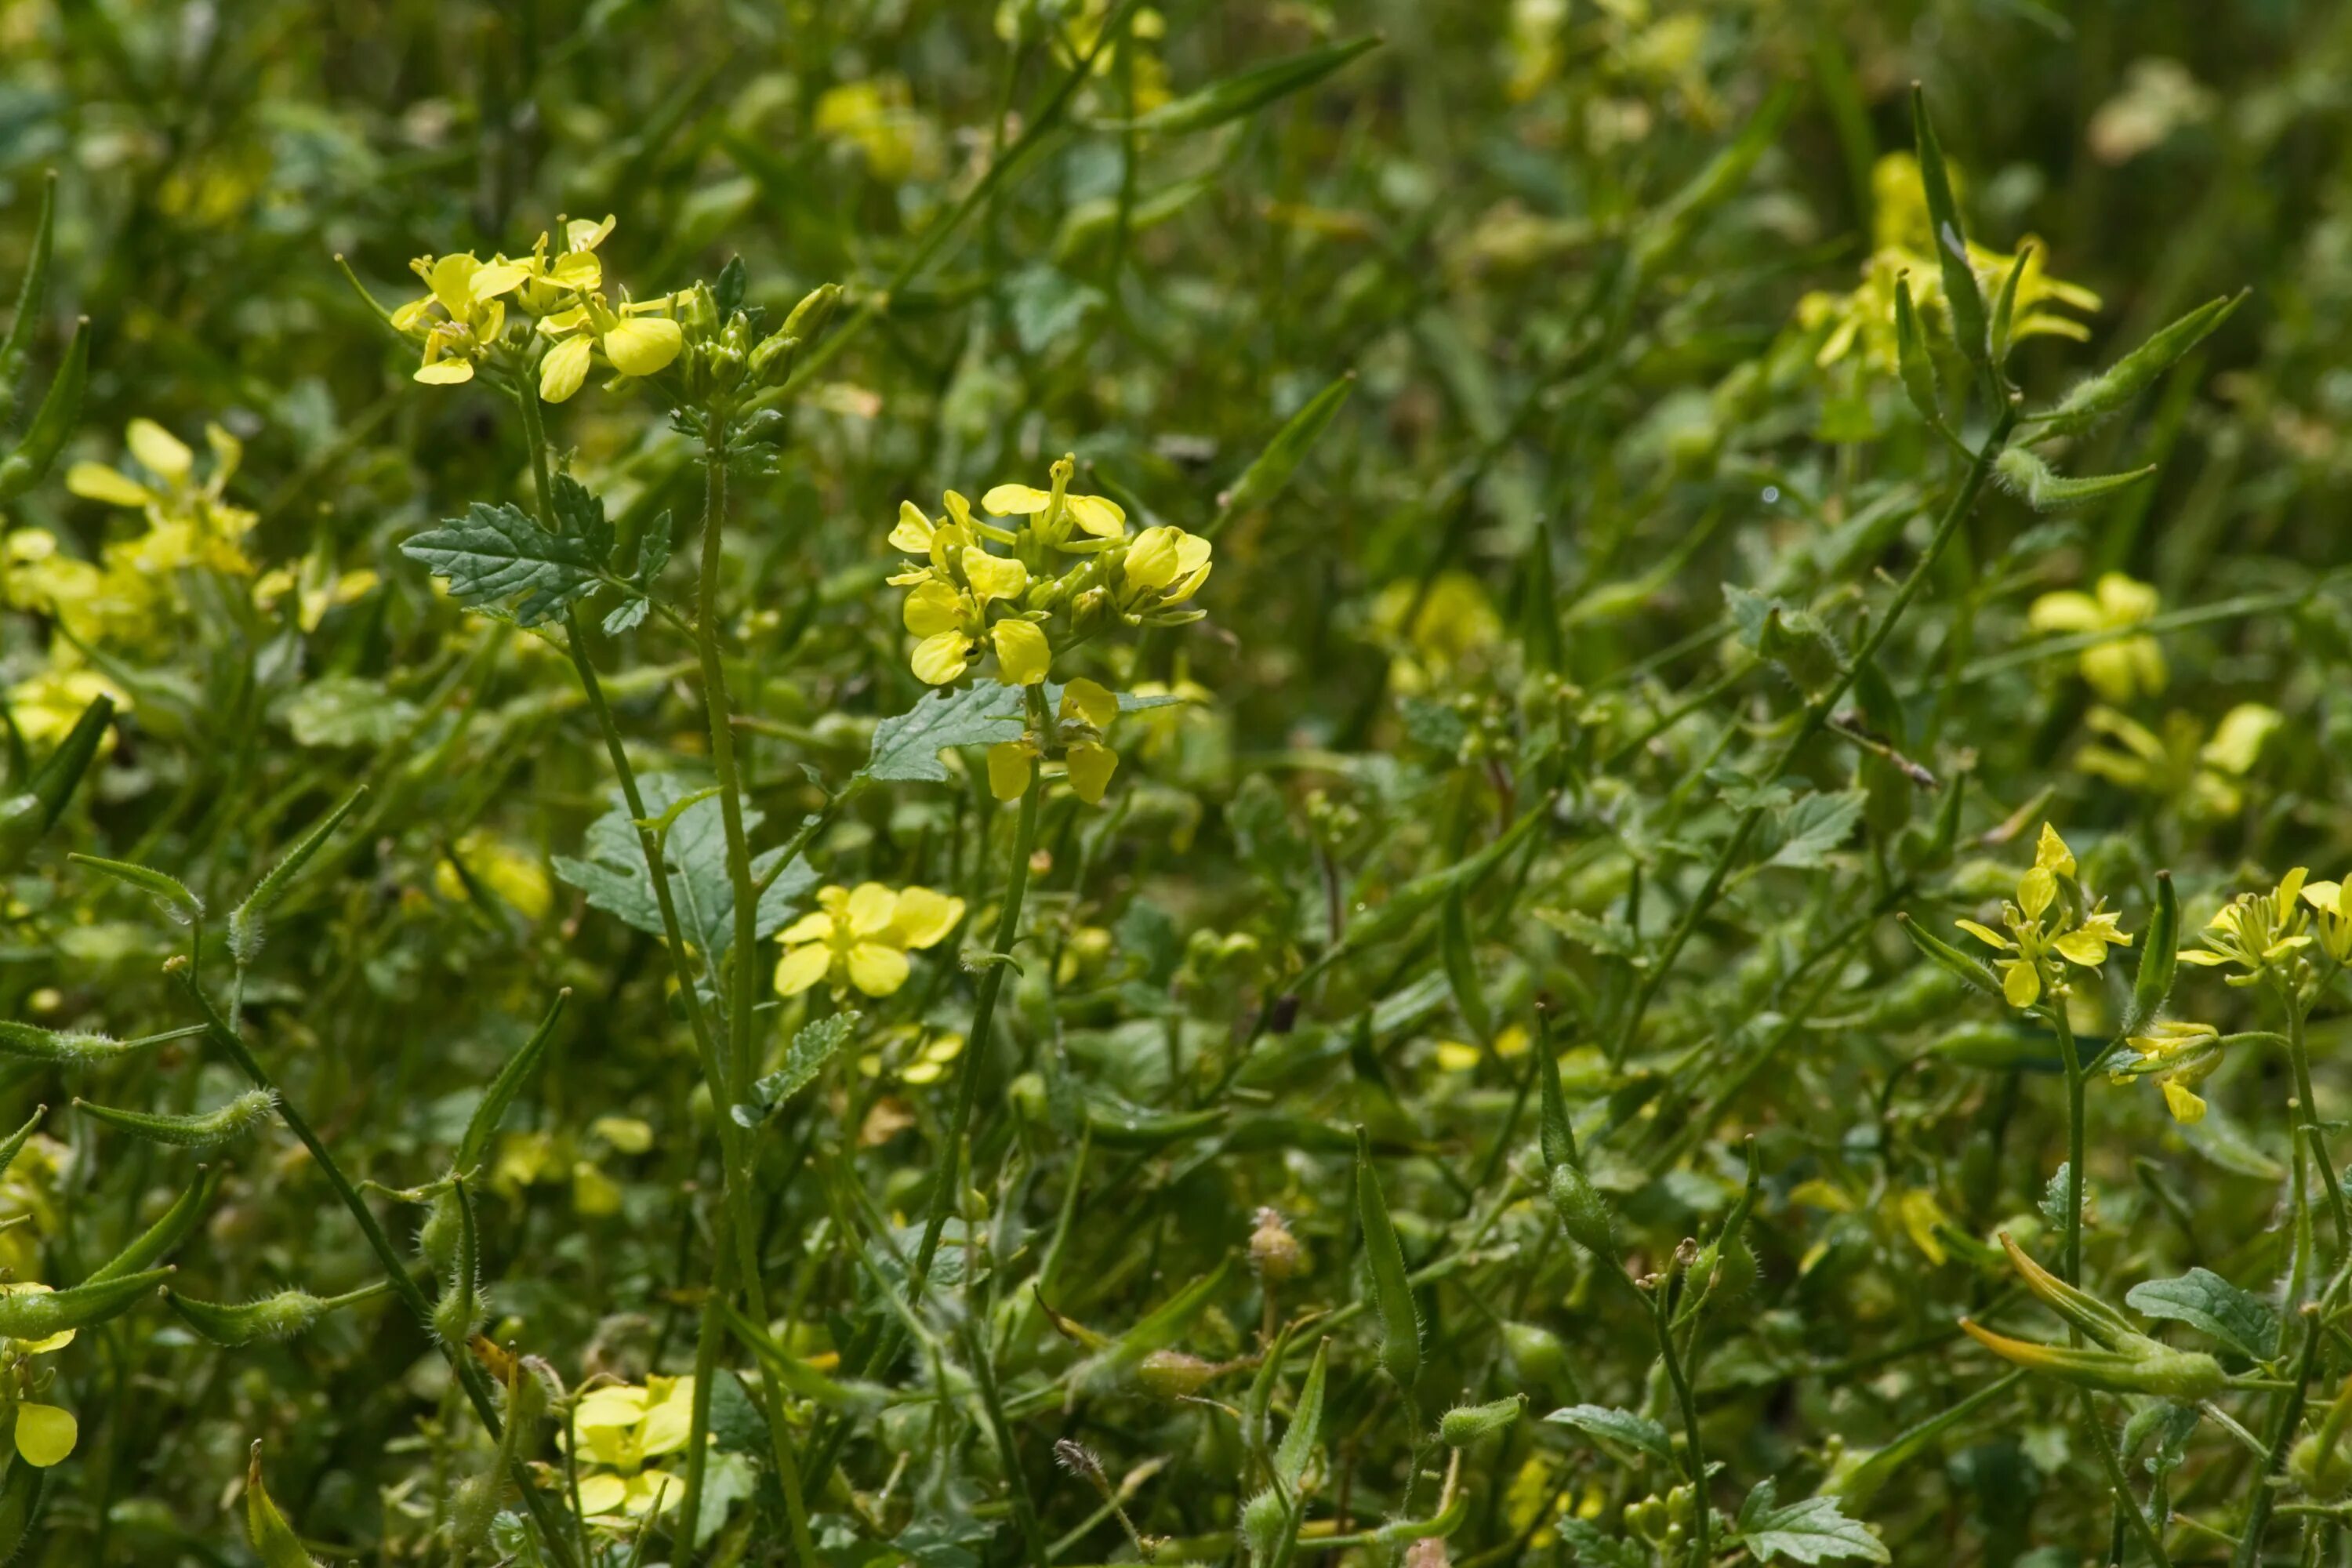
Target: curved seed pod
1270,471
25,818
245,921
2044,488
271,1536
279,1316
204,1130
1912,358
460,1310
2129,376
1462,970
2159,959
37,1314
29,1042
32,298
168,891
1583,1213
1465,1424
167,1232
2143,1366
1557,1137
20,1506
475,1144
1391,1289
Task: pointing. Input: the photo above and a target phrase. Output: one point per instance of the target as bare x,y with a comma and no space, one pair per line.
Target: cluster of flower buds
726,359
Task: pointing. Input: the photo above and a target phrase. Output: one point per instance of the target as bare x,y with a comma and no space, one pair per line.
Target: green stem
2070,1266
2151,1537
2282,1438
395,1268
1700,1549
1817,718
2307,1114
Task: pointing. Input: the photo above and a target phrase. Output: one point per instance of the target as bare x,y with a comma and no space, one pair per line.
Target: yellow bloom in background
931,1063
876,116
189,521
315,587
515,875
2205,774
44,1434
1511,1042
46,704
617,1432
862,938
1431,637
2124,665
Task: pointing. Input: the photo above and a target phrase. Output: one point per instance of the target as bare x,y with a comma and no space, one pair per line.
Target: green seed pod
37,1314
1391,1289
205,1130
1462,970
1961,295
1583,1213
436,1239
271,1536
29,1042
32,300
2139,1365
1465,1424
473,1511
158,1240
1919,367
1172,1374
2044,488
1920,996
1996,1048
245,921
1805,652
1538,1356
461,1308
1264,1524
1951,960
279,1316
53,422
20,1507
14,1145
2159,959
25,818
2321,1471
2129,376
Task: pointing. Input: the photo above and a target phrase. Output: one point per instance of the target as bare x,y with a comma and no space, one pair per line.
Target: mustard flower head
45,1433
2255,932
2047,922
618,1432
468,295
190,521
862,938
2125,663
2178,1055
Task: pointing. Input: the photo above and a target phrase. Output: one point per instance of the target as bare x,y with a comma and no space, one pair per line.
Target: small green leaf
907,746
1270,471
1621,1429
812,1048
1813,825
168,891
497,553
612,866
2206,1301
1813,1531
1298,1438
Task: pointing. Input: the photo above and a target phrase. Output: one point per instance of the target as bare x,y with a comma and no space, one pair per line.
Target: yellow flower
44,1434
2204,774
932,1062
876,117
2254,930
2124,664
552,283
2179,1055
1164,566
617,1431
1052,512
862,938
316,588
189,523
2033,938
1023,654
2334,919
473,316
1431,635
499,868
46,704
636,340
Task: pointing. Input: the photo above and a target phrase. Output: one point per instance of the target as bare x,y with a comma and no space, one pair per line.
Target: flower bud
1273,1249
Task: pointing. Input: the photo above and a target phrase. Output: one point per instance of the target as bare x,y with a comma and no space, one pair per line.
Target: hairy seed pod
1172,1374
1263,1518
1465,1424
1538,1356
205,1130
279,1316
1583,1213
27,1042
1273,1249
436,1239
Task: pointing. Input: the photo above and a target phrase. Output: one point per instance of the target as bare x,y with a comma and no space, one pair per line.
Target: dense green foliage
1365,967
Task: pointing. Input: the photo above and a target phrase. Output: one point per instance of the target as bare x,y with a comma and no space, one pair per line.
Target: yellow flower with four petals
2033,938
861,938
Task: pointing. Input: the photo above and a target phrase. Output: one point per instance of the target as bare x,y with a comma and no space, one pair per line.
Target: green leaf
907,746
1813,825
338,710
25,818
1961,295
1622,1431
1813,1531
1587,1544
582,512
2206,1301
812,1048
272,1537
32,298
497,553
1392,1287
1246,90
612,870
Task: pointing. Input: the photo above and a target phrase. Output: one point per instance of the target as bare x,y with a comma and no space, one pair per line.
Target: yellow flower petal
451,278
1014,500
1151,559
1090,768
2050,854
1089,700
1008,769
1098,515
814,927
159,451
924,917
1985,934
2085,947
2184,1105
1022,655
498,278
96,481
913,532
2324,896
934,608
563,370
876,969
1457,1056
801,967
445,372
643,345
2064,612
942,658
44,1434
871,908
602,1493
2020,982
2035,890
993,576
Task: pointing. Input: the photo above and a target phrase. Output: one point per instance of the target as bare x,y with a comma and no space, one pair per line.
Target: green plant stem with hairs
1816,721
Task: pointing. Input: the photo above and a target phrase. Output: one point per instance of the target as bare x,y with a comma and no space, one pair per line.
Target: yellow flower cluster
2043,927
2125,663
862,938
1860,325
461,320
